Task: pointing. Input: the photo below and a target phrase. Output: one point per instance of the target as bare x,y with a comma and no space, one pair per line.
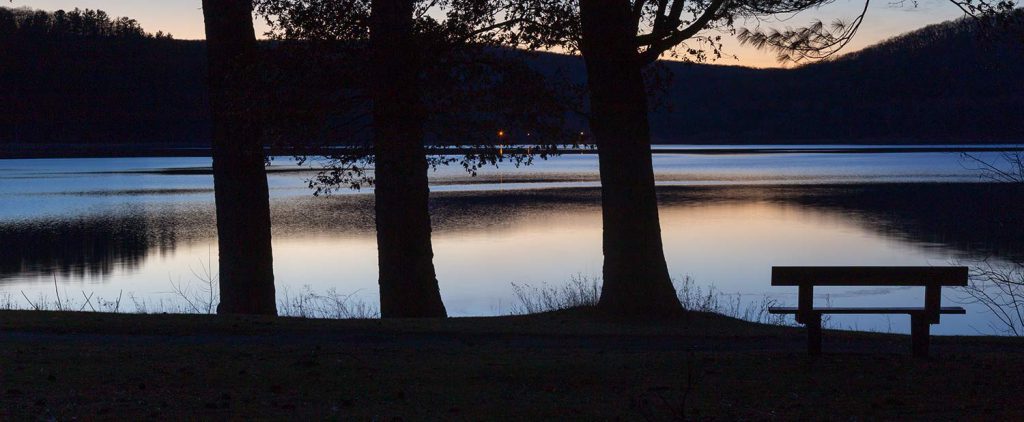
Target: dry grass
582,291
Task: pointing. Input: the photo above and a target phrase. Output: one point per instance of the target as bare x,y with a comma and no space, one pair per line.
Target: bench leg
813,333
919,335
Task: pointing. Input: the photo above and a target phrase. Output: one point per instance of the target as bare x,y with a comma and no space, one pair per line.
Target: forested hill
85,78
941,83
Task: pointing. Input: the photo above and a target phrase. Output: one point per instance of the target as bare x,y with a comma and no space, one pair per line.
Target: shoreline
24,151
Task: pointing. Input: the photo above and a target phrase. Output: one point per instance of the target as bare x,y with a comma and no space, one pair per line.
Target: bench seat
933,279
956,310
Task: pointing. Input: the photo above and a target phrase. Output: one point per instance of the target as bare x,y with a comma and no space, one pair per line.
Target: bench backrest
932,278
869,276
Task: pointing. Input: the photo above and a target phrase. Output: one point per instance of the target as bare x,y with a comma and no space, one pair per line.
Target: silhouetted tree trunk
239,176
408,284
636,279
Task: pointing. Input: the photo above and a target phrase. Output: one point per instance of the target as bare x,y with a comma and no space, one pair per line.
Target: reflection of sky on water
63,186
487,235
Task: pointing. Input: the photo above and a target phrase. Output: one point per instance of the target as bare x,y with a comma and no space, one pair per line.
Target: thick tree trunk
636,279
408,284
239,177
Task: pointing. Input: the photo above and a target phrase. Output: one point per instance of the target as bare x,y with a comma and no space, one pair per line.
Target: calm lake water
135,227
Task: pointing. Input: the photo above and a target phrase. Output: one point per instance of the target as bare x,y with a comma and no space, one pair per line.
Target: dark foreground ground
555,366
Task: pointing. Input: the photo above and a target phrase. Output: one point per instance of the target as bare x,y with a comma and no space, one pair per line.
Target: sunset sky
184,19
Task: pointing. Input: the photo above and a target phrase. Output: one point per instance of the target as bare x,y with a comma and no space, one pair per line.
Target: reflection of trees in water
982,219
97,245
476,211
92,245
978,219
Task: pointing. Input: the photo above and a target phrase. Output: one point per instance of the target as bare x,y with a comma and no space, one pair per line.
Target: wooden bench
932,278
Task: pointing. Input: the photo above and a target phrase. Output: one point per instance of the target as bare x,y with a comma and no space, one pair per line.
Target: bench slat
869,276
843,310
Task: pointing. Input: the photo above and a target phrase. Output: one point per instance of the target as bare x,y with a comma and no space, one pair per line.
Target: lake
139,228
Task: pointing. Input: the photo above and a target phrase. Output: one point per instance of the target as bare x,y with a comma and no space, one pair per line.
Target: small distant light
501,133
581,133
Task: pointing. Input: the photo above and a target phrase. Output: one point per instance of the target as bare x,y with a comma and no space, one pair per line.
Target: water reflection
978,219
92,245
134,225
970,220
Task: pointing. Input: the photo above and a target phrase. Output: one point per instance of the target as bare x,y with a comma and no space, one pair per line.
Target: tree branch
663,44
663,23
814,42
492,27
638,9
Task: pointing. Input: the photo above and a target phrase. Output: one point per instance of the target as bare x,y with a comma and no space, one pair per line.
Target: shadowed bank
551,366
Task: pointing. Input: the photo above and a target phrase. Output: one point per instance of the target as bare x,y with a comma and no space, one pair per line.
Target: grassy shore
564,365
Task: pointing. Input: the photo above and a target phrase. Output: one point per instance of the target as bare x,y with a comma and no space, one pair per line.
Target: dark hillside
84,78
80,77
941,83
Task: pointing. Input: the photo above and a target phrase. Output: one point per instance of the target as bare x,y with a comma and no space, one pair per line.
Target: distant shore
26,151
